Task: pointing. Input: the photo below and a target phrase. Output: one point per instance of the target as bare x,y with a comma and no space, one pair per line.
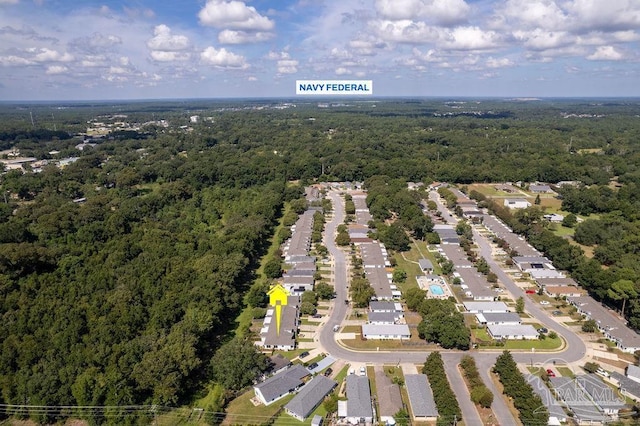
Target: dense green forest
124,299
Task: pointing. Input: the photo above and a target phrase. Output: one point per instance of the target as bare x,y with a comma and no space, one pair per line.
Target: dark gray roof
420,395
497,317
383,317
425,264
358,396
310,396
627,384
600,393
283,382
611,325
574,396
288,327
278,361
298,280
553,406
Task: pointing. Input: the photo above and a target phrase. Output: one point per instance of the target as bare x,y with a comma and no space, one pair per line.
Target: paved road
574,350
469,412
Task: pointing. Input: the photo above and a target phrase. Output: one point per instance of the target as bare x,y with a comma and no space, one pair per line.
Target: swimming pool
436,290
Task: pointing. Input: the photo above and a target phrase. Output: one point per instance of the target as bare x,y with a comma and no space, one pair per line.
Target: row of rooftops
614,327
555,282
373,253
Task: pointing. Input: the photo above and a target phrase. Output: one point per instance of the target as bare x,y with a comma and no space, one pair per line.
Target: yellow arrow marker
278,297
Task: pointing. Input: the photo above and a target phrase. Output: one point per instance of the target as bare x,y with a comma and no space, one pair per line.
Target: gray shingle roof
282,383
553,406
420,395
358,396
310,396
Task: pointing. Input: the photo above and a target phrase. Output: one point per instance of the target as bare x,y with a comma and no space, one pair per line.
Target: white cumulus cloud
440,11
233,15
165,40
50,55
606,53
243,37
222,58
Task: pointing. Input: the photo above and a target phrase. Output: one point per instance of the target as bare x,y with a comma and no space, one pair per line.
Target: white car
544,302
363,371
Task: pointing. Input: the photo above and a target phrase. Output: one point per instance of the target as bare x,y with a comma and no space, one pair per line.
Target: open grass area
545,345
565,371
241,409
375,345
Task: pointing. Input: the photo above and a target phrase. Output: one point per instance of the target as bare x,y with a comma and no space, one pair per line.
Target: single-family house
389,398
281,384
386,331
498,318
309,397
421,402
357,409
484,307
516,203
512,332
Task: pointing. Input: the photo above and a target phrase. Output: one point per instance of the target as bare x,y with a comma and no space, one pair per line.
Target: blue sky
139,49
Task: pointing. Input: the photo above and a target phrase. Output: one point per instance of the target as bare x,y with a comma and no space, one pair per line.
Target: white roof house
516,203
386,331
512,332
482,307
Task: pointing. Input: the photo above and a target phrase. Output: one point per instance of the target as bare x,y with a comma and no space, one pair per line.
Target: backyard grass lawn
481,334
286,420
242,409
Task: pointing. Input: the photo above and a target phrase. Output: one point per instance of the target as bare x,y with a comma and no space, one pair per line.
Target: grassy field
545,345
565,371
241,409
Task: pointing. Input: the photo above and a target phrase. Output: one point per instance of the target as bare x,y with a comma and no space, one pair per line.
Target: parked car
312,366
316,316
530,291
550,373
556,313
543,330
328,372
363,371
303,354
544,302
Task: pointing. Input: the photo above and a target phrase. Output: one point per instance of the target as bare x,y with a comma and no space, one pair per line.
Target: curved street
573,351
